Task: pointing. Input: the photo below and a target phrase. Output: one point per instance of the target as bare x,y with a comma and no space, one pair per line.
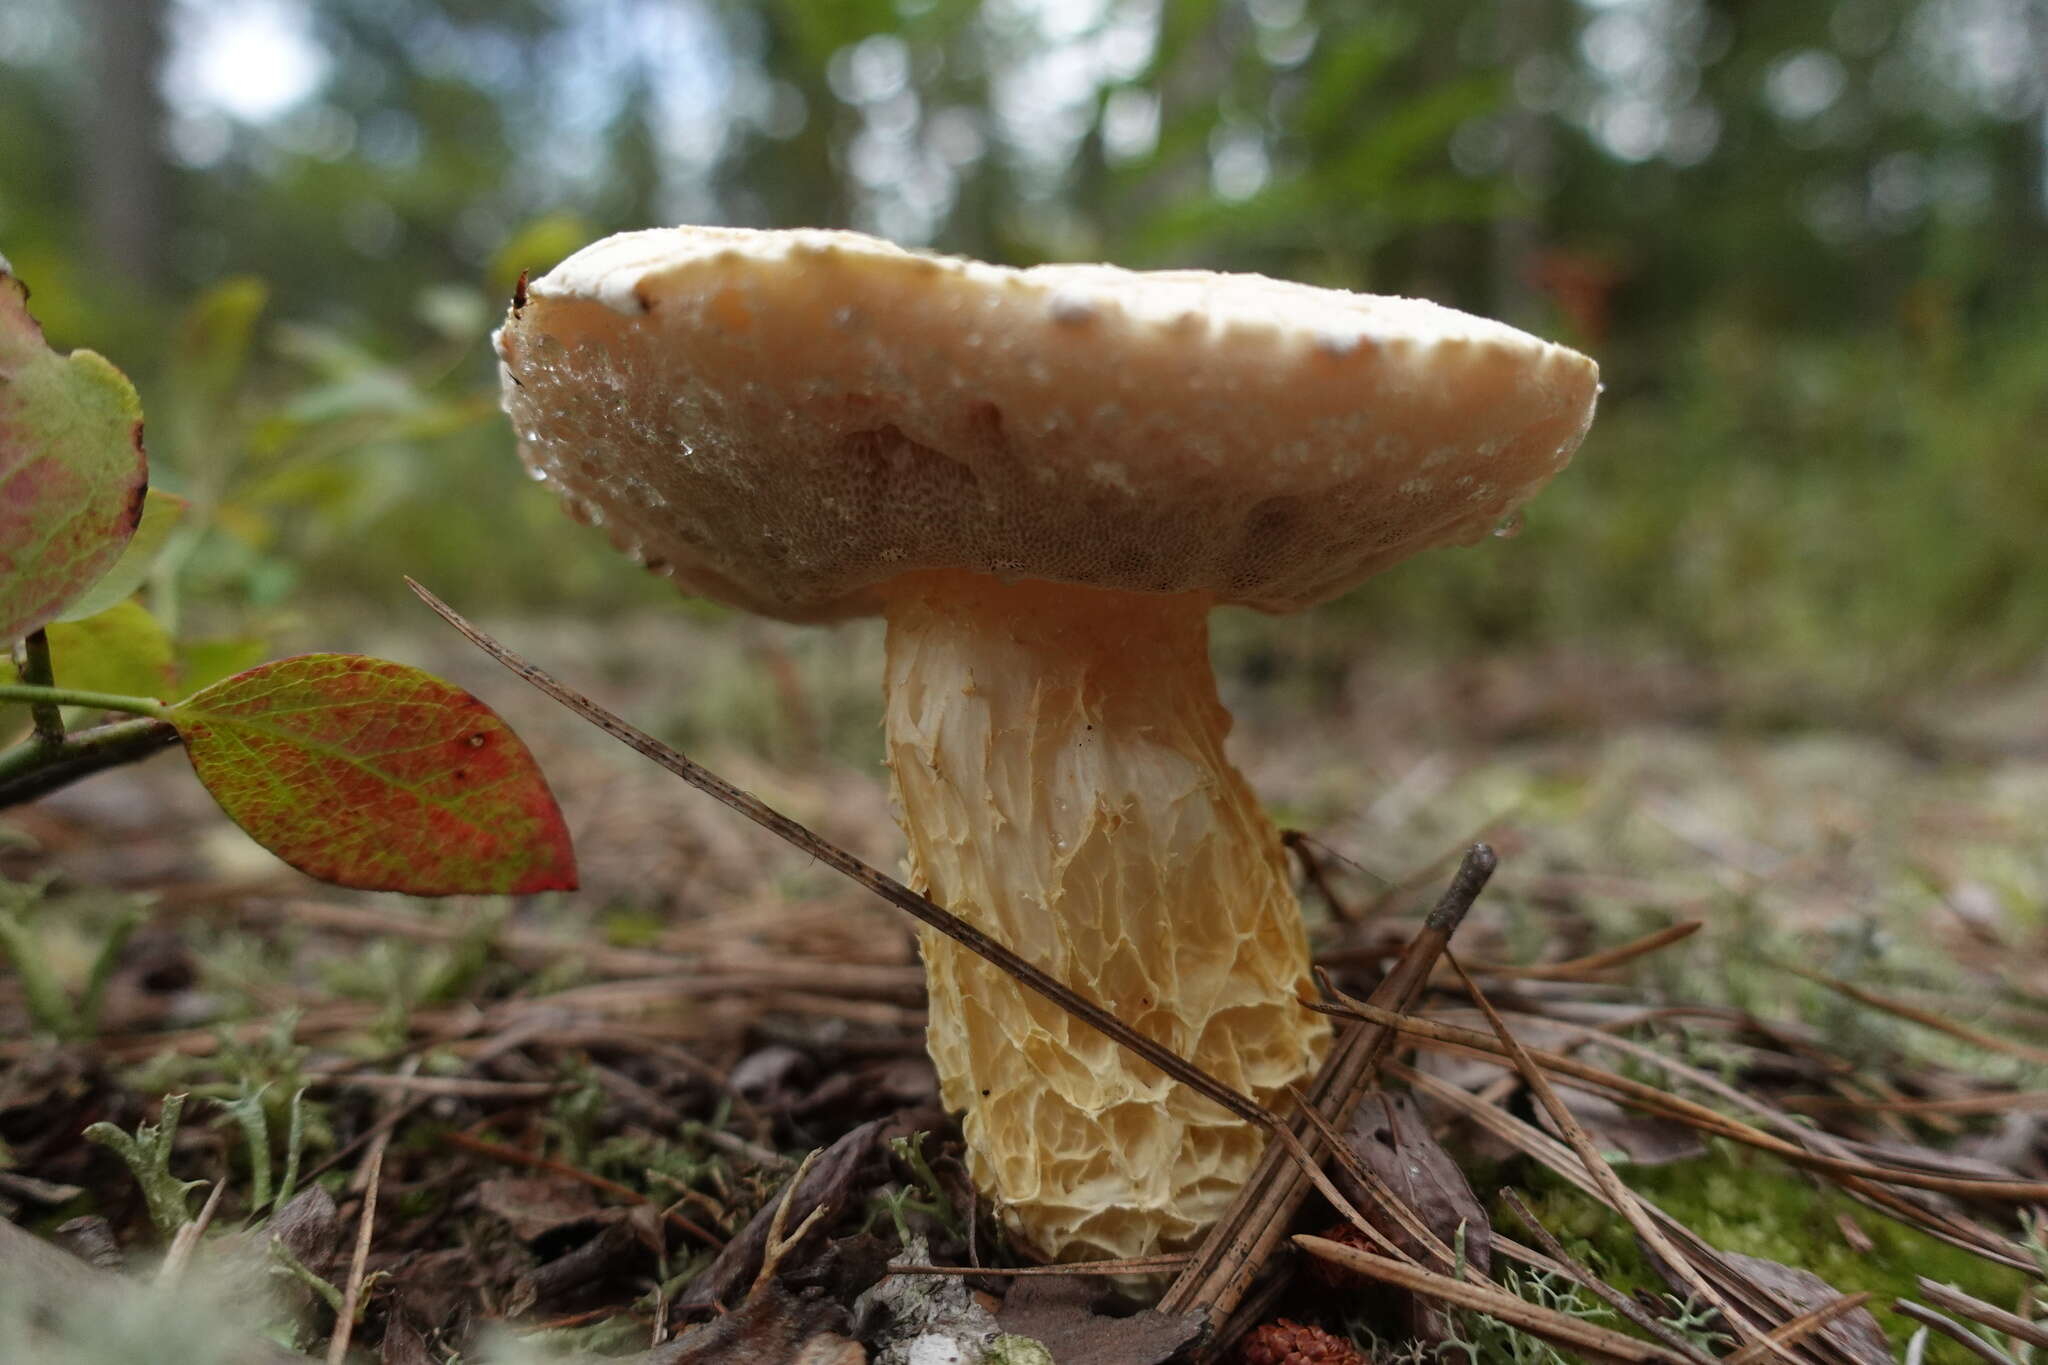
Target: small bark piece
1390,1139
533,1208
623,1247
92,1240
1059,1311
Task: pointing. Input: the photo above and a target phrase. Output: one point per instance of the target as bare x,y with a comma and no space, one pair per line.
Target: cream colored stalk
1060,775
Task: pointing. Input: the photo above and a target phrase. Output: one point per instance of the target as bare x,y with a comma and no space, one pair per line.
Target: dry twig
780,1241
1801,1327
1953,1330
1989,1314
1624,1304
1458,1041
920,908
1237,1248
366,1224
1863,995
1618,1195
1592,964
1596,1342
187,1240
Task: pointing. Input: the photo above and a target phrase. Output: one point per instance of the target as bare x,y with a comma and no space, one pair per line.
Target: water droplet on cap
1510,526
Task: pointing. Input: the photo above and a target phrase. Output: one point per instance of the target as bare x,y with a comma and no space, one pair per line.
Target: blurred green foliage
1865,508
1804,241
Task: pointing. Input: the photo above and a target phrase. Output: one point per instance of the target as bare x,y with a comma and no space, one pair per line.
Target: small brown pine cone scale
1332,1276
1286,1342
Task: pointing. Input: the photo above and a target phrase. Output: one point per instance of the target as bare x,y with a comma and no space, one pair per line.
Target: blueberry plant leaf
373,774
72,471
161,513
205,661
123,650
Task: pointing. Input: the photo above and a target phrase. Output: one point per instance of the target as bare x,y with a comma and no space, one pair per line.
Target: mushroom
1044,479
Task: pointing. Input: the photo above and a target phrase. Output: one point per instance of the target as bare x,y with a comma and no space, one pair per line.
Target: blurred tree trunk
1525,27
2037,45
123,162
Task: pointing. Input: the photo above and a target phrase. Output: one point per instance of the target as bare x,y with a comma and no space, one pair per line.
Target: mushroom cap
787,420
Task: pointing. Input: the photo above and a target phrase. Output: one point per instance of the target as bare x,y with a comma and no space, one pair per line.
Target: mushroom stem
1060,775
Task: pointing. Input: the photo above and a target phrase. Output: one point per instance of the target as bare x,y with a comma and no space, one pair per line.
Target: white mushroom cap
786,420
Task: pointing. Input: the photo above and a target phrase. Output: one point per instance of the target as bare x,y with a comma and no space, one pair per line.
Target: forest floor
560,1128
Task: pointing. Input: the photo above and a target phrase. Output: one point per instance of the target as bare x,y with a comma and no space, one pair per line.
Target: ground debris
534,1208
1065,1313
1391,1142
404,1344
926,1319
308,1227
588,1077
1855,1332
770,1327
1390,1139
603,1269
1284,1342
1637,1138
824,1188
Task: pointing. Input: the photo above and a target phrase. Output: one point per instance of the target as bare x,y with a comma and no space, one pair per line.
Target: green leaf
372,774
161,513
121,650
214,337
204,662
72,471
537,247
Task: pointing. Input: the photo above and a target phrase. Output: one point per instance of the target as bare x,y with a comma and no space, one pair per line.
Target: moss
1740,1201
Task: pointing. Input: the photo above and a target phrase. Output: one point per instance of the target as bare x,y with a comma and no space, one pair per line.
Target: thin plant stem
33,768
35,669
41,694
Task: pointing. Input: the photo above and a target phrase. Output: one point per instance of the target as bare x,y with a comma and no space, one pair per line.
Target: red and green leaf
372,774
72,471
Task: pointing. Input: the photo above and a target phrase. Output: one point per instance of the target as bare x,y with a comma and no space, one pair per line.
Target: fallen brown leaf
532,1208
1855,1332
1060,1312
